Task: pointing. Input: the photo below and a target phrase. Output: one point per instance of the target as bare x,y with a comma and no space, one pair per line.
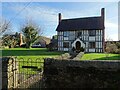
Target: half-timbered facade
85,32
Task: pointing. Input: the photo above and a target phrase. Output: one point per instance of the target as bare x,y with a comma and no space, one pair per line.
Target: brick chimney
103,19
103,13
21,41
59,17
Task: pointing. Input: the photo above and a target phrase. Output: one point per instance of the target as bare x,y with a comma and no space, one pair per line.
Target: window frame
65,34
92,45
92,33
79,34
65,46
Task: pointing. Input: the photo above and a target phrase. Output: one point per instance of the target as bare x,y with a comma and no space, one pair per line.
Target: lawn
28,52
100,56
30,57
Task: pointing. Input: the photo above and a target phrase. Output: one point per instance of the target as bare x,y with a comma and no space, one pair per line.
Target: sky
45,14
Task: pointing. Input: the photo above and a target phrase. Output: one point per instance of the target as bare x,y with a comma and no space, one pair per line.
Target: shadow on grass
29,52
117,57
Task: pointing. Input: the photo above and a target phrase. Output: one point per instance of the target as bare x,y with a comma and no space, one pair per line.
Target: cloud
46,17
36,12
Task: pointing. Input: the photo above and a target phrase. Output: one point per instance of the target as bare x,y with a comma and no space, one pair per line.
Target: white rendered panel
91,50
91,38
65,49
100,44
96,44
99,38
65,38
86,44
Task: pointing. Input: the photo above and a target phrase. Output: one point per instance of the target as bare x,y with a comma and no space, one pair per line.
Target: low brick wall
9,73
81,74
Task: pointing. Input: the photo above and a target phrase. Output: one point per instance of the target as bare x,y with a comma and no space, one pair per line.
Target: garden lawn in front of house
29,52
30,57
100,56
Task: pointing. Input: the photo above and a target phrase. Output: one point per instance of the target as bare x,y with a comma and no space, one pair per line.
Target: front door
78,45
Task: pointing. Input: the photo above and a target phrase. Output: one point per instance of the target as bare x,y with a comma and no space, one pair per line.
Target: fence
30,73
21,73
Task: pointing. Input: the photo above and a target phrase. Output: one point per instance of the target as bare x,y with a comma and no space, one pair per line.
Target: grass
100,56
36,61
30,57
28,52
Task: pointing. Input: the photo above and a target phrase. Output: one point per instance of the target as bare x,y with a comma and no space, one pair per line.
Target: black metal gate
29,74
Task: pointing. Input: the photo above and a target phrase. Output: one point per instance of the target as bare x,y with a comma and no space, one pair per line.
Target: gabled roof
88,23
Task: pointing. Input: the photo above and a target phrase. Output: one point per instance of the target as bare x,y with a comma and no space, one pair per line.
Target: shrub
118,45
82,49
111,48
50,47
118,51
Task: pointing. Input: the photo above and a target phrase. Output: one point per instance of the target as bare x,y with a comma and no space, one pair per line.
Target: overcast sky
46,14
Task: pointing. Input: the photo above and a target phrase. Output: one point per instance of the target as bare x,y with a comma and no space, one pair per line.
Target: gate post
9,73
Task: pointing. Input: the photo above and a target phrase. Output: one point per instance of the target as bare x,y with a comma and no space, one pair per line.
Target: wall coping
98,64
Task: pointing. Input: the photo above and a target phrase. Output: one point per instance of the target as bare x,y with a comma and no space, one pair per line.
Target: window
79,34
65,34
91,32
66,44
91,44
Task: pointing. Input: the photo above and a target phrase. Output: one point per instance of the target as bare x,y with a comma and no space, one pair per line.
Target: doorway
78,45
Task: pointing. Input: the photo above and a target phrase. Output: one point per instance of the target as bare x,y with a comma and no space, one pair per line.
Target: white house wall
85,38
72,35
60,41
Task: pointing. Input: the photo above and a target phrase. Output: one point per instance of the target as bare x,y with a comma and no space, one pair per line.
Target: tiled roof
88,23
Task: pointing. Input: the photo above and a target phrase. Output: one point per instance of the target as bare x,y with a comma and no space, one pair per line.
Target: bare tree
10,40
4,26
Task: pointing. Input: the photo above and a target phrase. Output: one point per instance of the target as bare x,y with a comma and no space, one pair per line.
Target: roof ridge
82,18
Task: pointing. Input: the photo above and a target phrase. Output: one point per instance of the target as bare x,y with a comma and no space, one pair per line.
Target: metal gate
29,74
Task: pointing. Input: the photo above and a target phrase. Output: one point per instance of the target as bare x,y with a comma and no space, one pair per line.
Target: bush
118,51
82,49
111,48
118,45
50,47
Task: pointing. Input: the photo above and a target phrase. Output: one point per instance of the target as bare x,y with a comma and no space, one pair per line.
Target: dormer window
92,33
